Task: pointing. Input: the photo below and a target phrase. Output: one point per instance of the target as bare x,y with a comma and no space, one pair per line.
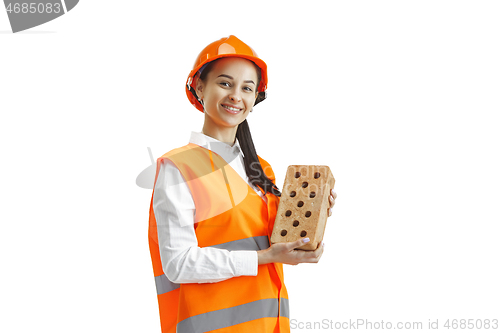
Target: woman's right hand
284,253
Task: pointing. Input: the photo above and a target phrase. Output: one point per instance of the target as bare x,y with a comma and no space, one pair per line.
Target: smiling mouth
231,109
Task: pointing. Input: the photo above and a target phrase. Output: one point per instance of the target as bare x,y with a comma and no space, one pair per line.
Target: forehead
234,66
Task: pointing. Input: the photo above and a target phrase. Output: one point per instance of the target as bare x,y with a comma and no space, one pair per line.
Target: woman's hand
331,199
284,253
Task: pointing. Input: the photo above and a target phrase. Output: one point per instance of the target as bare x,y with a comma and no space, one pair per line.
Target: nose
235,97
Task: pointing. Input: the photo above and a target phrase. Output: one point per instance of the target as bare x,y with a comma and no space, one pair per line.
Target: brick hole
300,204
302,234
295,223
288,213
293,193
308,214
317,175
304,184
283,232
297,174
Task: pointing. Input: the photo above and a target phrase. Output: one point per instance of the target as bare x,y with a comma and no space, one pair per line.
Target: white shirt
182,260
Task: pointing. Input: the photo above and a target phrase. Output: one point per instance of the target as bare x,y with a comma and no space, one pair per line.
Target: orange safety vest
229,215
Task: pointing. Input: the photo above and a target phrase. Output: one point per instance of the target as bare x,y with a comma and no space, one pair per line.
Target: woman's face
229,91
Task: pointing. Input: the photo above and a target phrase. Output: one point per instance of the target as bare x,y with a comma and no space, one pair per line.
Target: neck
223,134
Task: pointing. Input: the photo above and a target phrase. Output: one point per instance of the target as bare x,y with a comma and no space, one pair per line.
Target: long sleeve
182,260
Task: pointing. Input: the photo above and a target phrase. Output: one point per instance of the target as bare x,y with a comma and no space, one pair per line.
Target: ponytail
253,168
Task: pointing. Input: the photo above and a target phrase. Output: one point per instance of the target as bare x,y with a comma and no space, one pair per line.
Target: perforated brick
303,207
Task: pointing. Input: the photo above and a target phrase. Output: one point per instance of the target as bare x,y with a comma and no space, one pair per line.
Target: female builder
213,208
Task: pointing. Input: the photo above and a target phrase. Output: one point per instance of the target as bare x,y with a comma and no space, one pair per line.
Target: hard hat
226,47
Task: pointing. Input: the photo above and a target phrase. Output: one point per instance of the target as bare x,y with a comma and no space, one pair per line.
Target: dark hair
253,168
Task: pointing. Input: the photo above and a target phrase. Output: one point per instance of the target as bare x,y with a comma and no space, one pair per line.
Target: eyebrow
231,78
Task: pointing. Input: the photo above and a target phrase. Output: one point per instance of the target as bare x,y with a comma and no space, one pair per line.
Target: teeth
231,108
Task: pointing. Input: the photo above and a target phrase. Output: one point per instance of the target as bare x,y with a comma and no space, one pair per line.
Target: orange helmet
226,47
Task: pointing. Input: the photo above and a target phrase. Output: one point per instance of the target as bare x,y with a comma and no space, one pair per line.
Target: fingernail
306,239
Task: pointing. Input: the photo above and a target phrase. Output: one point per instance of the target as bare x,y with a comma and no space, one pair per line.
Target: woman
213,209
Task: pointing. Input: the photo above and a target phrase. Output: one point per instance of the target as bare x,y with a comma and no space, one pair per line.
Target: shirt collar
219,147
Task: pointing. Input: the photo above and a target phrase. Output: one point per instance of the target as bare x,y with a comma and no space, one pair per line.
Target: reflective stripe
284,308
248,244
163,284
214,320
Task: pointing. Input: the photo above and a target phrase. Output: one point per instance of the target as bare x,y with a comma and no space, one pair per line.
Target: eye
224,84
248,89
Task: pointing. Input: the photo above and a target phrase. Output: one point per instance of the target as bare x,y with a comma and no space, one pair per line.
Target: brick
303,207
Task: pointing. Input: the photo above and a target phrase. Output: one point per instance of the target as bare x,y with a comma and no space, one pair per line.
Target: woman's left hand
331,199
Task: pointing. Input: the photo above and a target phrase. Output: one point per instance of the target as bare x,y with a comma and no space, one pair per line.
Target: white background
399,98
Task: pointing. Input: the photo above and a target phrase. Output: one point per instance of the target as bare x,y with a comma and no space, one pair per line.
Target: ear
199,87
256,97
